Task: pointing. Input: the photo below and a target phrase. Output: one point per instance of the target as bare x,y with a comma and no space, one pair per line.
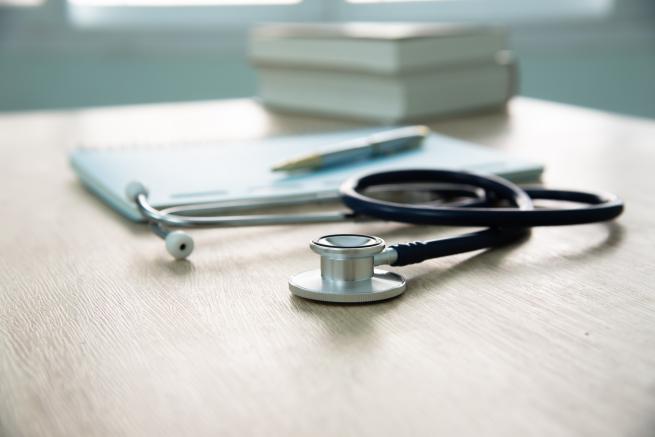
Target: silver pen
379,144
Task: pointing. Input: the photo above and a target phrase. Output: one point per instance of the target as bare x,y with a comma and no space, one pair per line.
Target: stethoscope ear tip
133,190
179,244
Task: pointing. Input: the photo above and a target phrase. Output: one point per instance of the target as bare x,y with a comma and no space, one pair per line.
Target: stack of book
385,72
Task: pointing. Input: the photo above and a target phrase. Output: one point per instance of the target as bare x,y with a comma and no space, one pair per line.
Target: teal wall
31,81
619,82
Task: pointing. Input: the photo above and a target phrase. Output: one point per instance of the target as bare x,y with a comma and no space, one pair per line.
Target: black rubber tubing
506,224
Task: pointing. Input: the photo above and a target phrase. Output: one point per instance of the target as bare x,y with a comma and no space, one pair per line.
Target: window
195,13
178,3
189,13
21,3
469,10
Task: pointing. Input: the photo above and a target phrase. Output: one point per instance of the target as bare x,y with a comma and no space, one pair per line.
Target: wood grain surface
102,334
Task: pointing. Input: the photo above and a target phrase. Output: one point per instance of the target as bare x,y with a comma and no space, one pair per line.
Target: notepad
238,173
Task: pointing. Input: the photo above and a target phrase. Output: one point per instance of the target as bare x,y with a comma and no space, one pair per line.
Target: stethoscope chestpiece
347,272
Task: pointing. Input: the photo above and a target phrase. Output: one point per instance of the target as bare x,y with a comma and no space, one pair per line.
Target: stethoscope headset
348,261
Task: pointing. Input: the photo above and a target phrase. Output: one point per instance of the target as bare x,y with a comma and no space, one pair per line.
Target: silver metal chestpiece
348,272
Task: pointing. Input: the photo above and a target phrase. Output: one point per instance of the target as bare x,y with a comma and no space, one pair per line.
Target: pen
379,144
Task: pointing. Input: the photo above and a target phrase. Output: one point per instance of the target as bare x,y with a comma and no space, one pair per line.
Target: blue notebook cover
233,173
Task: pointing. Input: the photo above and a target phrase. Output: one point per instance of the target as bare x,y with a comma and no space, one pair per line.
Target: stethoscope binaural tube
180,245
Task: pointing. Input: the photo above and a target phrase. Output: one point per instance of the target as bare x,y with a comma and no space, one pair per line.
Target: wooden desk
102,334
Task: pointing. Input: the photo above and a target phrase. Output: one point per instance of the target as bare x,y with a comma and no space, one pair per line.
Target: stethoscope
348,270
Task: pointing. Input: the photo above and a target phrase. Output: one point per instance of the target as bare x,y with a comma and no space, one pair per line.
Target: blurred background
78,53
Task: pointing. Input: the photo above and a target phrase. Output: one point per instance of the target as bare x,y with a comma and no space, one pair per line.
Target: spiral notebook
237,175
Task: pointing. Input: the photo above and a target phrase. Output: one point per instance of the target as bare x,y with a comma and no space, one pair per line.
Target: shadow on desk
350,322
614,234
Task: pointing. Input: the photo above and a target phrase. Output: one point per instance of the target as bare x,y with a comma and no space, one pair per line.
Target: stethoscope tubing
599,206
506,224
